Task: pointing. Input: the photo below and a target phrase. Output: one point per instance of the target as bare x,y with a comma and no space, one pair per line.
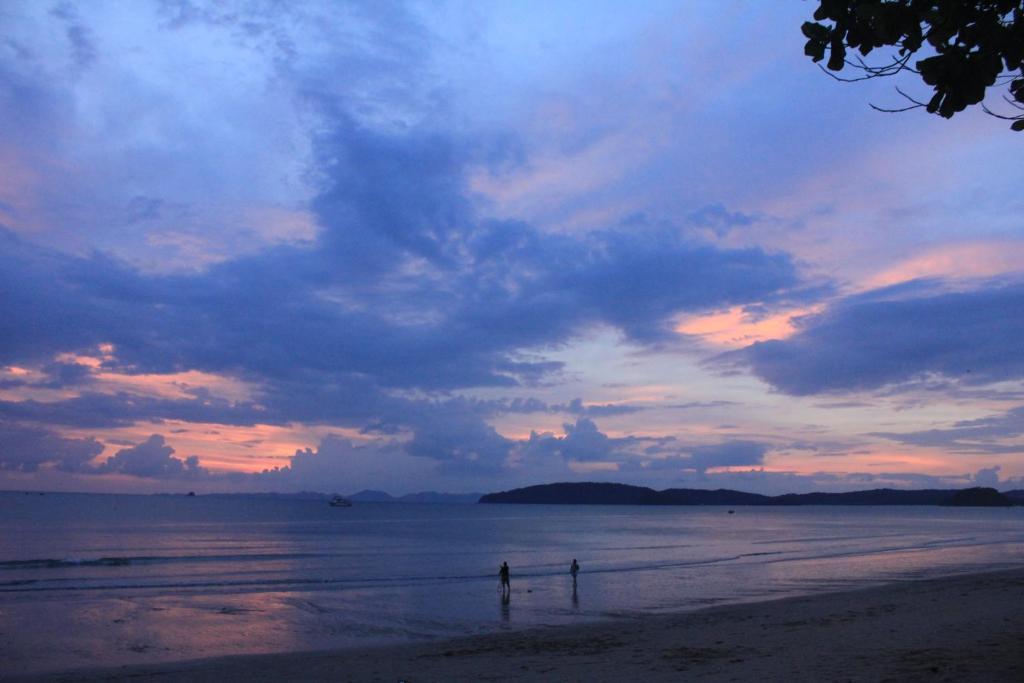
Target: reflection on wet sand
506,599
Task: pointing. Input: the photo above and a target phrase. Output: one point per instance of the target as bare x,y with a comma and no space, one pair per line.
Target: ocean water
107,580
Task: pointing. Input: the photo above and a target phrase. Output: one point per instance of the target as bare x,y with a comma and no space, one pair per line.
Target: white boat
340,502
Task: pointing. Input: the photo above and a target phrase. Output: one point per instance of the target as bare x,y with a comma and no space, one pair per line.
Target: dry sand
967,628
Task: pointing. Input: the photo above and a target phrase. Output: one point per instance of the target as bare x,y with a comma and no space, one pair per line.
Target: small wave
52,563
246,584
66,562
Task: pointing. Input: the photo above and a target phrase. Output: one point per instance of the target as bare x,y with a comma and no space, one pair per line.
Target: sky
466,247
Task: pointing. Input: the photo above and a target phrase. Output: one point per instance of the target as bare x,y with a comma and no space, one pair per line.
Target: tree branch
1018,117
915,104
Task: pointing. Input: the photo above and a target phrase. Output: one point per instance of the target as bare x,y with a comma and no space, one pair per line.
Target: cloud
75,96
60,375
638,281
585,443
694,405
577,407
153,458
80,39
574,407
582,442
99,410
340,465
408,288
720,220
26,449
391,196
1010,423
987,476
894,336
461,441
670,457
726,454
982,435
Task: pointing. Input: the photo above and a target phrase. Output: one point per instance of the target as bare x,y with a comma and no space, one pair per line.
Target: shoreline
958,628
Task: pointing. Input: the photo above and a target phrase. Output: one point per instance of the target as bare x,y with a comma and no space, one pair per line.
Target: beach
960,628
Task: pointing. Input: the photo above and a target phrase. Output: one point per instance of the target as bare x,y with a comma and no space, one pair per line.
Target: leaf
1017,89
1017,125
837,56
814,31
931,69
814,50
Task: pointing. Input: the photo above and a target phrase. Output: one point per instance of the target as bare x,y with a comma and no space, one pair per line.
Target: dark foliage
972,46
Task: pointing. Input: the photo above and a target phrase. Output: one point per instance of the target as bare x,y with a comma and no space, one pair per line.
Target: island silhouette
595,493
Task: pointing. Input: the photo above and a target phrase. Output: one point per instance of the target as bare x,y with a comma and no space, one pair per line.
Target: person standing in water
574,569
506,585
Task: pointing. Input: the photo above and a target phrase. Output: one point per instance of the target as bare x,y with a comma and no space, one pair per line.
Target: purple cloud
153,458
895,336
991,434
26,449
727,454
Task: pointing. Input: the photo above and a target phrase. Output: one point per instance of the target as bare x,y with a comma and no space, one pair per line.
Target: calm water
89,580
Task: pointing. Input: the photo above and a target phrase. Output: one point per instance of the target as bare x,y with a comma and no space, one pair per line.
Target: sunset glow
736,328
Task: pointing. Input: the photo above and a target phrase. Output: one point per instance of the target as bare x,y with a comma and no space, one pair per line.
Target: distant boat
340,502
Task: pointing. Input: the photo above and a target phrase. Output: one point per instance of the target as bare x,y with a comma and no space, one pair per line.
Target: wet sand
966,628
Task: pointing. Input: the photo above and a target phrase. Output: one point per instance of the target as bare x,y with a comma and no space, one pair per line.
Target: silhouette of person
574,569
506,585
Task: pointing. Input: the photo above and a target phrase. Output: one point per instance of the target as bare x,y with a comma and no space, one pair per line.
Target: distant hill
707,497
434,497
301,495
870,497
979,497
592,493
370,496
577,494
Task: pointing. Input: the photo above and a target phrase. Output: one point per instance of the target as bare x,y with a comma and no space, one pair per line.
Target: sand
966,628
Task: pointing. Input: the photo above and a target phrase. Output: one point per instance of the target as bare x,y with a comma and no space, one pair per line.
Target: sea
90,580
